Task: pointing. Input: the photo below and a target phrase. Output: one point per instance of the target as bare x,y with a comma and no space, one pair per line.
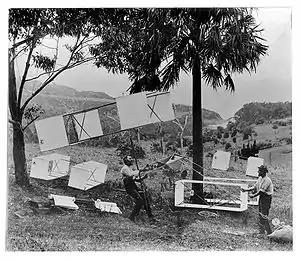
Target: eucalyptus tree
28,29
155,45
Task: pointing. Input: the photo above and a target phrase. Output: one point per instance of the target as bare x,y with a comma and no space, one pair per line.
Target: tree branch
14,46
31,121
53,76
25,74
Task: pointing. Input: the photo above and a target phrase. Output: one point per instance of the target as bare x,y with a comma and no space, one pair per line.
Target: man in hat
130,177
264,188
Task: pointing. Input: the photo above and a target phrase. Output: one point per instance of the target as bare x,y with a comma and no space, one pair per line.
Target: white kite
221,160
87,175
252,166
49,167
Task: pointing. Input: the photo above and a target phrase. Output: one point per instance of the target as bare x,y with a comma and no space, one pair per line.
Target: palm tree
154,46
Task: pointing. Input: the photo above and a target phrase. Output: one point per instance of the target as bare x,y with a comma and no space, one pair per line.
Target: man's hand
243,190
251,195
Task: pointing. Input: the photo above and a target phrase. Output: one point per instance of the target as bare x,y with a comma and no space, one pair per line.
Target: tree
182,128
156,45
28,29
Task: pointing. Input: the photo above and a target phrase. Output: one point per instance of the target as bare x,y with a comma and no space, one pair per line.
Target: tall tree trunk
18,135
19,157
197,133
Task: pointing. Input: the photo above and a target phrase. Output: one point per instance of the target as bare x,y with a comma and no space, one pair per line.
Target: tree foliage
256,112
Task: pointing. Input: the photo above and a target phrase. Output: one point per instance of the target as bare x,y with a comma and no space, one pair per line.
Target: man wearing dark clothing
130,177
263,188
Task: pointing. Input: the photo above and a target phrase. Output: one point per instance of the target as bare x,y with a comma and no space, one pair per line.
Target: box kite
221,160
49,167
224,196
64,201
107,206
252,166
87,175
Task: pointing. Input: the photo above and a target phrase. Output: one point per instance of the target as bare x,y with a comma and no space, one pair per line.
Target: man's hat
263,168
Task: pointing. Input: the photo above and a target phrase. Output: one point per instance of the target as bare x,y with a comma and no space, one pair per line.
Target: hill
260,112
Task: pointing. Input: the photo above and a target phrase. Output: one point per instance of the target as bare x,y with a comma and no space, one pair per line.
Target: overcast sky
272,81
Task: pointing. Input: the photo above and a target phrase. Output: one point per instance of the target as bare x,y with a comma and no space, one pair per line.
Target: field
177,230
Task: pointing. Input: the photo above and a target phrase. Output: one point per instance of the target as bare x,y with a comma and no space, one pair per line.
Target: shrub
156,147
227,146
219,135
124,148
245,137
282,123
187,140
189,151
234,132
226,135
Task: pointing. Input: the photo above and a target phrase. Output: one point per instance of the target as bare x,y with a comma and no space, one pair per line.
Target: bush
282,123
156,147
189,151
227,146
124,148
226,135
234,132
187,140
219,135
245,137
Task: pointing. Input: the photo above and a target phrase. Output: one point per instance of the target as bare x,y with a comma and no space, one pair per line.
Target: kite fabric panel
133,110
51,133
40,169
252,166
160,108
221,160
88,124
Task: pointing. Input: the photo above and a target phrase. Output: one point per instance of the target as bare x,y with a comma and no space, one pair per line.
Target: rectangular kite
221,160
160,108
88,124
218,199
107,206
87,175
51,133
252,166
133,110
64,201
49,167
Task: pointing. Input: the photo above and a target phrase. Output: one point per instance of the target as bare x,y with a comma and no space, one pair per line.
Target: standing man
130,177
263,188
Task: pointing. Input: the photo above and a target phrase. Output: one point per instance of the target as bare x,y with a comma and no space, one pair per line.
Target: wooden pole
137,166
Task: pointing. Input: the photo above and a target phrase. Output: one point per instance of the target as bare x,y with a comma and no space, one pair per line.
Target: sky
271,82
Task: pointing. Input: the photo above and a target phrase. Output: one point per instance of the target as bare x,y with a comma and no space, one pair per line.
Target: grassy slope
93,231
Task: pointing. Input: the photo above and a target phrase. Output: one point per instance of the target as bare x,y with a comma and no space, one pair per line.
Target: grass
183,230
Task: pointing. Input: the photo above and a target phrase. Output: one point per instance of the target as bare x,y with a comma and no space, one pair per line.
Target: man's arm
249,189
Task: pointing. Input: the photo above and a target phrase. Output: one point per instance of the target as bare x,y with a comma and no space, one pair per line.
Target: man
130,177
263,188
